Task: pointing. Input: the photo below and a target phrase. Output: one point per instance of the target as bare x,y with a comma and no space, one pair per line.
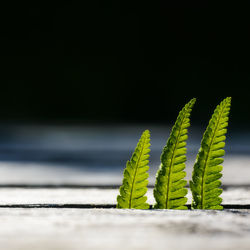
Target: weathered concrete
61,229
10,196
97,155
114,228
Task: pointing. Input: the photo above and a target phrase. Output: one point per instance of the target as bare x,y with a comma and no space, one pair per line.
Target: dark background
113,61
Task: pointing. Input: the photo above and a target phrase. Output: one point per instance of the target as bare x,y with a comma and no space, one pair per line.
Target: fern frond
169,190
207,169
135,181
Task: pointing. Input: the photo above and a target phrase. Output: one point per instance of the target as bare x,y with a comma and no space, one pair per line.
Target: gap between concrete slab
101,206
77,186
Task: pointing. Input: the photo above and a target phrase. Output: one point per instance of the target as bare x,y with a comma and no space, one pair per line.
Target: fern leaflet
135,181
169,190
207,169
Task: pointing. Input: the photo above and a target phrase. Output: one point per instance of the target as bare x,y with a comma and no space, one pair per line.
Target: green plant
135,181
207,169
169,190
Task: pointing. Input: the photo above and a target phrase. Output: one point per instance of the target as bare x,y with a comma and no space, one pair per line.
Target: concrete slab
97,156
10,196
74,229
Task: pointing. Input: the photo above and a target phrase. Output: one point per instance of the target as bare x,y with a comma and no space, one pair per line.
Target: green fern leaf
207,169
135,181
169,190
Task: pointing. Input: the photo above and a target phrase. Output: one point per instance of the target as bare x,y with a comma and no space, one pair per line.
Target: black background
114,61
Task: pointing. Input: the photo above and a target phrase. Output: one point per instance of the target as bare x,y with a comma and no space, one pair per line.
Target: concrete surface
97,156
73,229
10,196
68,229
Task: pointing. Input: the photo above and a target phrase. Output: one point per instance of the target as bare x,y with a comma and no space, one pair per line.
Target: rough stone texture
43,228
61,229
